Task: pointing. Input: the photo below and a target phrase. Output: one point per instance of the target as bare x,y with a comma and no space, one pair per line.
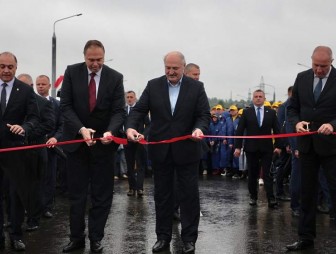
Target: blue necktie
317,90
258,116
3,98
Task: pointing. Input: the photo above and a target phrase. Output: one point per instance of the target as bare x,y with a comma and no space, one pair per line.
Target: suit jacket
191,111
109,112
47,121
302,107
21,109
58,126
248,122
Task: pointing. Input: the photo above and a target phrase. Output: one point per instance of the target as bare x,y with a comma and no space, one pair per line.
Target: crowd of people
94,107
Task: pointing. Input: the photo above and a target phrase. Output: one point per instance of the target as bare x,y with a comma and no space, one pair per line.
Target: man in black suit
18,116
93,106
178,106
49,185
37,159
258,120
312,107
135,153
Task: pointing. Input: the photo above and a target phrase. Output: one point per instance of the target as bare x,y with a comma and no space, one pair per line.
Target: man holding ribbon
178,106
92,104
312,107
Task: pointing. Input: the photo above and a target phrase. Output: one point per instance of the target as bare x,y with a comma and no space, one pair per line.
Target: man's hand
302,126
51,141
133,135
197,134
325,129
105,140
237,152
87,134
16,129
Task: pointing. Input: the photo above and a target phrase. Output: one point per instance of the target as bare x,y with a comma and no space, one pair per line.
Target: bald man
165,98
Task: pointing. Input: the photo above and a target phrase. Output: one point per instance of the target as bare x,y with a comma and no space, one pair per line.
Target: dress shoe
18,245
31,228
74,245
48,215
272,203
283,197
96,247
323,209
188,247
295,213
140,193
253,202
160,245
176,216
131,193
300,245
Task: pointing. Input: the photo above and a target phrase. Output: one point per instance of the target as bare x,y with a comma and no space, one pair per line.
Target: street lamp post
304,65
53,56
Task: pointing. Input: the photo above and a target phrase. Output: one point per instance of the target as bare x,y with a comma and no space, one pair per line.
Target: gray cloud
234,42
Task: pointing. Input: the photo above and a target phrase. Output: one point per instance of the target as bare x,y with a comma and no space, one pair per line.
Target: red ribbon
124,141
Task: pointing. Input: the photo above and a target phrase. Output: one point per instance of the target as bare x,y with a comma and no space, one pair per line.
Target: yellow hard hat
267,104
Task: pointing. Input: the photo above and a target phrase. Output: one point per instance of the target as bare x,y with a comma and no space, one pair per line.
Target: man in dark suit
178,106
312,107
49,185
135,153
92,104
18,116
258,120
37,159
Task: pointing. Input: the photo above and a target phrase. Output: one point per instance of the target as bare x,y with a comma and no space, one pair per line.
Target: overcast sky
234,42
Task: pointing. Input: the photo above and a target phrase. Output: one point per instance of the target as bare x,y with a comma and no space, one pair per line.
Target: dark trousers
90,166
49,181
284,167
310,164
36,166
134,154
13,166
255,160
188,197
295,183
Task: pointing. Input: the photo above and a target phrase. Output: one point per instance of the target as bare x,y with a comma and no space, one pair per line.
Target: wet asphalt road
229,224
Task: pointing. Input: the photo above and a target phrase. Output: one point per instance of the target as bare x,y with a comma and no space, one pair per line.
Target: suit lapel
254,115
329,83
182,95
165,94
15,93
82,91
266,115
102,86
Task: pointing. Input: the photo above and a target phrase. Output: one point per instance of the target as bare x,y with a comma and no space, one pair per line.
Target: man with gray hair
312,107
178,106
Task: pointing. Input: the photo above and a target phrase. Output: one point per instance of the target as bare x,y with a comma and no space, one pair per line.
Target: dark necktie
130,109
258,116
3,98
92,92
317,90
